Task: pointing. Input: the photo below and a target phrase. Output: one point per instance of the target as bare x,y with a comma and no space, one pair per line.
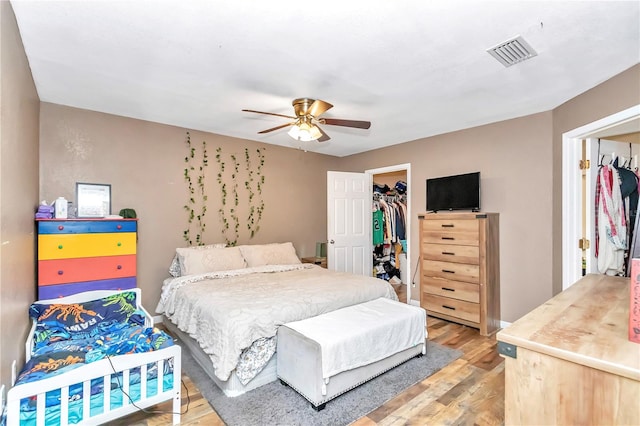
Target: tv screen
459,192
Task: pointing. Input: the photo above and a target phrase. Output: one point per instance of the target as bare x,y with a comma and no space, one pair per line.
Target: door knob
332,242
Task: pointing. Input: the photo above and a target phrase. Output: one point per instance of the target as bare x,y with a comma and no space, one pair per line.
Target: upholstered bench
324,356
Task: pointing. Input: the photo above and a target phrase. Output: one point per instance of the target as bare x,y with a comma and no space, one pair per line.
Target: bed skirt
231,387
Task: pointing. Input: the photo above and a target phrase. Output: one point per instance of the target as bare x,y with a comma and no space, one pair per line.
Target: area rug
276,404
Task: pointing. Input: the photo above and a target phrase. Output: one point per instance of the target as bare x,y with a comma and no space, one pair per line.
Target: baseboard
504,324
414,302
157,319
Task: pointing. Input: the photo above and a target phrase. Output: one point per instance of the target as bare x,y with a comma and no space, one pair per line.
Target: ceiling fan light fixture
305,132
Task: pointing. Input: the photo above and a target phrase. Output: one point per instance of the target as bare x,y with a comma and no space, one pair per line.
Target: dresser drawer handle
118,226
448,238
448,289
119,244
119,267
447,225
449,307
60,246
60,272
60,227
448,271
448,253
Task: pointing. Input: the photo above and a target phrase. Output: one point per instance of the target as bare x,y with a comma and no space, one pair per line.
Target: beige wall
612,96
514,159
19,106
520,162
144,163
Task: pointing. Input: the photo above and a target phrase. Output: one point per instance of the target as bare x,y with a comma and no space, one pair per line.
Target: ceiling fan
305,124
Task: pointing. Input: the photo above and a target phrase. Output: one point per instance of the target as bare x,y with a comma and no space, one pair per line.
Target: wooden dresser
460,272
76,255
570,362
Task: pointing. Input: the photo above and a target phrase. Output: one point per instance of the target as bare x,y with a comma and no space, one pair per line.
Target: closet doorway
392,259
578,190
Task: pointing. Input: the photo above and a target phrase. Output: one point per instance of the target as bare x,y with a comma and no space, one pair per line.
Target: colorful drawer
85,254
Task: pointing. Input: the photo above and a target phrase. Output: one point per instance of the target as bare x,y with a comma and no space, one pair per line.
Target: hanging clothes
611,224
389,229
378,233
629,193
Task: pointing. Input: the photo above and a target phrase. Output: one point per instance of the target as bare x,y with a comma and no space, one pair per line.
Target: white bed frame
100,369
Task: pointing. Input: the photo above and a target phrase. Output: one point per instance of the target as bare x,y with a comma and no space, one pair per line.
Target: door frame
406,167
571,190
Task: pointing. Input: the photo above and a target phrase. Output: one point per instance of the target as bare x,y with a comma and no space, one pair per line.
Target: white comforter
225,312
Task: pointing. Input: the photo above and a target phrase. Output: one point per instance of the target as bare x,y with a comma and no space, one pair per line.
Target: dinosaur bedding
68,336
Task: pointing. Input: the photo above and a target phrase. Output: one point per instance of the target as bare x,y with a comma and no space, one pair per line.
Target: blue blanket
68,336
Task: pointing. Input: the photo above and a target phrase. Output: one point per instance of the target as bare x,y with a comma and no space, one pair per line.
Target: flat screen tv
457,192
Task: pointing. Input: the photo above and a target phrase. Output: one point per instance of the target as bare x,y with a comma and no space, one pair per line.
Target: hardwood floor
469,391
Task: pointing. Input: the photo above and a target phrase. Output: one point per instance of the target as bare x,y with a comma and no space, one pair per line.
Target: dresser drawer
55,291
86,226
453,289
452,307
451,271
66,246
450,225
451,231
60,271
446,237
451,253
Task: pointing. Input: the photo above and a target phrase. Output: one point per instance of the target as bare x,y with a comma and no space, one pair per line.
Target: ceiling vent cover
512,51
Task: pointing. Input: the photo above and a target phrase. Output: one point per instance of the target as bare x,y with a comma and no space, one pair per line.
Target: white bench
324,356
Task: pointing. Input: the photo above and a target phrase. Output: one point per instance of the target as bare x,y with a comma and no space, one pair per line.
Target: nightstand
321,261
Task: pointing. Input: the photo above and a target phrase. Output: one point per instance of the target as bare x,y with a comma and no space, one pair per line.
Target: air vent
512,51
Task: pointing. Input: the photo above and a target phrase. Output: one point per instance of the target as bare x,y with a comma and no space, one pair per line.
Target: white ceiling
414,68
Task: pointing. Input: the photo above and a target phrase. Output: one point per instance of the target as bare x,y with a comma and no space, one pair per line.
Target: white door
348,222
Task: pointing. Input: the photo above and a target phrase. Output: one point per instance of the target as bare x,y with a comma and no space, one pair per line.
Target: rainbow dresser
76,255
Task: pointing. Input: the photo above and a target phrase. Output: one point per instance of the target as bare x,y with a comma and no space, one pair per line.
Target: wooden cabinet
78,255
570,361
460,268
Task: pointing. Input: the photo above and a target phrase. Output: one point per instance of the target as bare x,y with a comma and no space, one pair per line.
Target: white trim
414,302
158,319
406,167
572,195
504,324
14,370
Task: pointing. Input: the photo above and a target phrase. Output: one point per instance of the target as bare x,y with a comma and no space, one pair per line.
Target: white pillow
198,261
174,268
270,254
191,254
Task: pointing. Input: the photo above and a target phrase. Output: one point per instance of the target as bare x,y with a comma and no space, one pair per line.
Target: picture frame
93,200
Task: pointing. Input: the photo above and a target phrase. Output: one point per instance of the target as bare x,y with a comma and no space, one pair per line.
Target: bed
226,304
93,357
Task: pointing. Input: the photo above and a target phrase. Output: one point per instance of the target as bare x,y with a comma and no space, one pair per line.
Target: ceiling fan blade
277,127
318,108
269,113
347,123
325,137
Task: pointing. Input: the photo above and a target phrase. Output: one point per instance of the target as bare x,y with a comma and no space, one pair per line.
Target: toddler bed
93,357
